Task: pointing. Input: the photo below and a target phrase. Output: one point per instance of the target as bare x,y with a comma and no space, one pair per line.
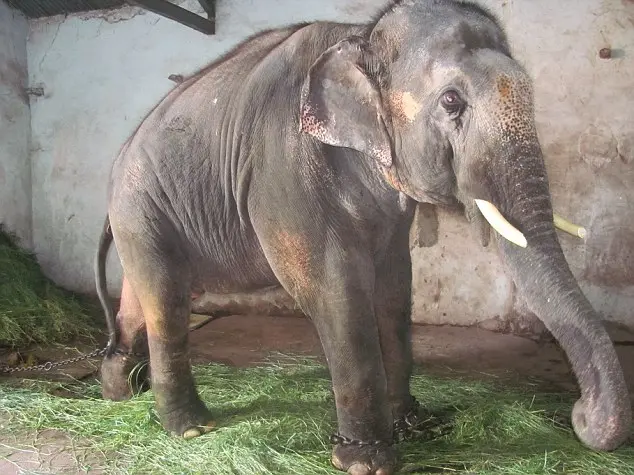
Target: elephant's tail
105,240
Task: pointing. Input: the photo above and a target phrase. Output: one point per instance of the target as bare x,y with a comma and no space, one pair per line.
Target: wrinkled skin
296,160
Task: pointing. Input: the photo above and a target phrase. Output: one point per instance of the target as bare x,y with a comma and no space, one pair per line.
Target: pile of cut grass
32,308
276,419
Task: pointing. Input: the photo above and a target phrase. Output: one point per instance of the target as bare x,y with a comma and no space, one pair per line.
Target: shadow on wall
15,169
610,245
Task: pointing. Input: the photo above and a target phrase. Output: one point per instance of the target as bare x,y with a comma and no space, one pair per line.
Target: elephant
296,160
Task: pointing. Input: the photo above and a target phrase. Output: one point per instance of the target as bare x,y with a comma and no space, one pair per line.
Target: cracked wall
15,168
101,72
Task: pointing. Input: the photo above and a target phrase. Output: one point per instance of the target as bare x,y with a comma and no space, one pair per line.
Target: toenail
359,469
191,433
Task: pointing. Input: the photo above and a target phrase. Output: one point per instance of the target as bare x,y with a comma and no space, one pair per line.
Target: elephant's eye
452,102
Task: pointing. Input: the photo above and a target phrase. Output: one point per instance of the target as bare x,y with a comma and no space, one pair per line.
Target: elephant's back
255,84
211,91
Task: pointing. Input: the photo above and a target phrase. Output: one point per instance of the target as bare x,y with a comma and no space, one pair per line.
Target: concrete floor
248,340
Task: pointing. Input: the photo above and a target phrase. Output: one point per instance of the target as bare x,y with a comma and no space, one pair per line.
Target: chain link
410,426
49,365
343,440
421,425
109,349
406,427
402,430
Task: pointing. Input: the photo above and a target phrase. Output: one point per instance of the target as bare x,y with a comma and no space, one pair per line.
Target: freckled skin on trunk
296,161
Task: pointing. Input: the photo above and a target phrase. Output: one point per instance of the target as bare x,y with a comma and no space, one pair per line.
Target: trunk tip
600,428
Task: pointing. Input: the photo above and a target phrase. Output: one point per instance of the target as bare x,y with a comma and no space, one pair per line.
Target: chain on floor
49,365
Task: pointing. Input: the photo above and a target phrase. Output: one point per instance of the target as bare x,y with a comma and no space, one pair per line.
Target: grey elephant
296,160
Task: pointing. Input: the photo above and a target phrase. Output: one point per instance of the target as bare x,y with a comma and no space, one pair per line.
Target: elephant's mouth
509,232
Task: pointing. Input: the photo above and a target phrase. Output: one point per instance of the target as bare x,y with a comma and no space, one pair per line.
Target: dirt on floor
249,340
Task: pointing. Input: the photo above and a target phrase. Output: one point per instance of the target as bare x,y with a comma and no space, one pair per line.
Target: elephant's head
434,97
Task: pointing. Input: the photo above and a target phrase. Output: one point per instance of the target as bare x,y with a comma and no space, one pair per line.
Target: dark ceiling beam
210,7
181,15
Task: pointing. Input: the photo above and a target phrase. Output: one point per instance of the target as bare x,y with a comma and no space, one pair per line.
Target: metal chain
421,425
408,427
404,429
343,440
109,349
49,365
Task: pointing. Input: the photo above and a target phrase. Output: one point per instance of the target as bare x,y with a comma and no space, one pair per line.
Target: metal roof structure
46,8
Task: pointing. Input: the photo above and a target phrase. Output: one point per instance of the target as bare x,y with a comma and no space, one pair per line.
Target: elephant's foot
188,421
364,460
123,376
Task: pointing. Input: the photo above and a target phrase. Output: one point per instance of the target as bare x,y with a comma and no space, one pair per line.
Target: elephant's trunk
602,416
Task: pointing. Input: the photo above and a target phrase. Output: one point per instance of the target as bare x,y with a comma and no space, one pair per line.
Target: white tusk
569,227
500,224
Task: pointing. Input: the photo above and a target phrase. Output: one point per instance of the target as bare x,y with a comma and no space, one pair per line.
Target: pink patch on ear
383,156
315,127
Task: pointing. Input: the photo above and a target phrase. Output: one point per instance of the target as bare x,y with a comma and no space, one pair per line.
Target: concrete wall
15,168
102,72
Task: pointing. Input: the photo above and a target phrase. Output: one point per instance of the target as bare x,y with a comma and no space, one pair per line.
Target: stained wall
15,168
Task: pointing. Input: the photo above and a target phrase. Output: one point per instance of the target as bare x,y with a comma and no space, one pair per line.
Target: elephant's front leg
333,282
343,313
350,338
392,303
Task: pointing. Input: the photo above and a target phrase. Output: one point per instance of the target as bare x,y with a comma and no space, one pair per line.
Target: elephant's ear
341,104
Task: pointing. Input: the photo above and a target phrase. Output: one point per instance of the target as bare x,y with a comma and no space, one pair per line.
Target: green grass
32,308
275,419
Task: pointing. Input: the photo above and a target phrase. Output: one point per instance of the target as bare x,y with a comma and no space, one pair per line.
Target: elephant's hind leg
124,374
159,275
